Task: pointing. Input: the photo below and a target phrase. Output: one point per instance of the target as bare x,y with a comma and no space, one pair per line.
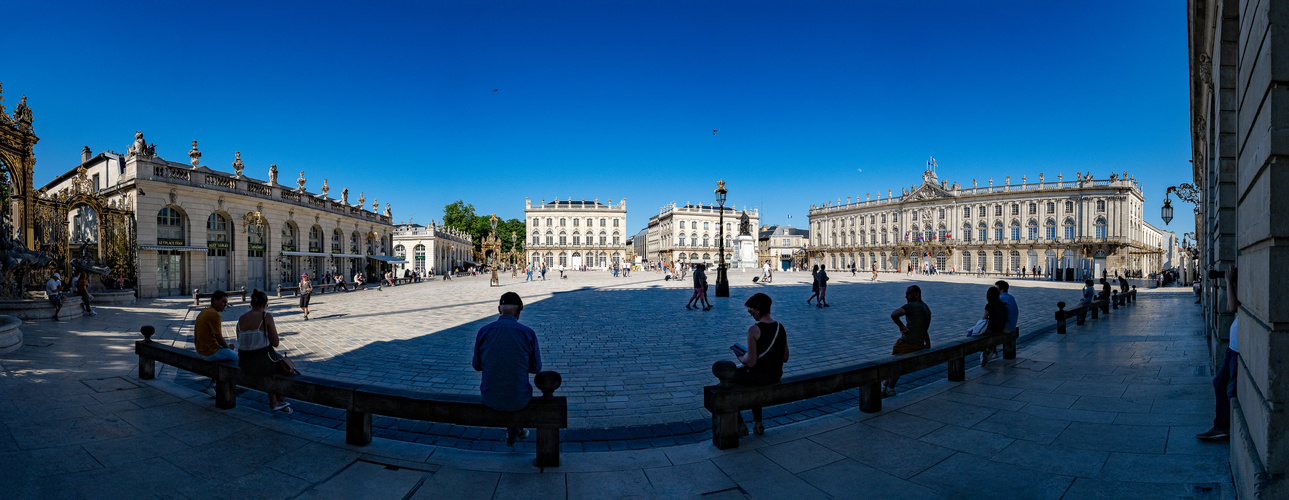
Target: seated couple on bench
256,337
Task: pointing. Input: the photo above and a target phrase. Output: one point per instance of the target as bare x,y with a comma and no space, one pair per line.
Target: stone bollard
195,301
1060,318
279,290
147,366
547,438
725,426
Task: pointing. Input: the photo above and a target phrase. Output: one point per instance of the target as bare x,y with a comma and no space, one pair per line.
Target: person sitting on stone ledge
256,337
915,336
506,352
207,335
767,351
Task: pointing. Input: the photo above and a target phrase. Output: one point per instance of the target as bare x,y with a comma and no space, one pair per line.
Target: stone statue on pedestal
344,195
325,188
194,155
273,174
238,165
745,225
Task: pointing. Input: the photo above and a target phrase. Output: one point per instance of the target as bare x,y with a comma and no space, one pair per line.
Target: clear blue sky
615,99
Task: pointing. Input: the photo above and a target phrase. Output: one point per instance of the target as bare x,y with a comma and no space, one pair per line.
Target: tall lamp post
722,283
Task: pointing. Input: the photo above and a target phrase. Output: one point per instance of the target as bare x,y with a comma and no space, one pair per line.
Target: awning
305,254
471,262
179,248
387,259
347,255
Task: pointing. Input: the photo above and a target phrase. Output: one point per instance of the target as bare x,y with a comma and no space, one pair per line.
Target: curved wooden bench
547,413
726,399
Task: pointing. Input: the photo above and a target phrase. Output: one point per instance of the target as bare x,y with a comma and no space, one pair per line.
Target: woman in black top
996,313
767,351
814,287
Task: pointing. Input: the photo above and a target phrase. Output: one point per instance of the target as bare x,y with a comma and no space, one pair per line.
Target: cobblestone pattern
631,356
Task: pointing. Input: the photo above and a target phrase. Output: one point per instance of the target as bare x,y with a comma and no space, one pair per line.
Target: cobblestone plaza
629,352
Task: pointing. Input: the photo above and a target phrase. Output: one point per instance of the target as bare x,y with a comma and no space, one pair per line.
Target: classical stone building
437,248
576,233
203,229
783,246
1239,60
1067,225
690,233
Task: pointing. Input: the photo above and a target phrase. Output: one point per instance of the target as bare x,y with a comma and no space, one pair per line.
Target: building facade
576,233
202,229
1238,162
691,233
783,246
435,249
1066,228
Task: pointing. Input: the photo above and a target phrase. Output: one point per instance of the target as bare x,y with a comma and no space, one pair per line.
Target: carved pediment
928,191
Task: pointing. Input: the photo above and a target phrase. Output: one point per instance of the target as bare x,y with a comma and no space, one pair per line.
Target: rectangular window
1051,208
1051,232
1015,233
575,221
786,242
1015,209
1101,232
1033,233
561,221
984,235
577,239
998,210
966,212
1069,232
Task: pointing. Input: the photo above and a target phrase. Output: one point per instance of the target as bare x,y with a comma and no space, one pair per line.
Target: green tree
459,215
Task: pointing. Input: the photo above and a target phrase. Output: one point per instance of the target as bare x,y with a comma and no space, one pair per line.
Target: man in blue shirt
506,352
1012,313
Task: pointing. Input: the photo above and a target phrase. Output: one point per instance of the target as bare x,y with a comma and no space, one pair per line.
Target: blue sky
615,99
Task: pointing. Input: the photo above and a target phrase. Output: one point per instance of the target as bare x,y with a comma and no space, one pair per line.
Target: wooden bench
547,413
197,297
1079,313
726,399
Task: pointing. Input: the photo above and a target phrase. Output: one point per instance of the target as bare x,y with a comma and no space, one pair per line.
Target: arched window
1015,227
1015,264
577,237
1032,230
289,243
981,265
604,238
1069,230
170,228
966,262
998,261
537,237
563,237
400,252
681,240
217,235
883,261
707,241
315,239
337,241
1100,228
1049,228
418,254
998,230
707,256
943,232
983,229
966,232
927,234
693,239
353,242
563,258
550,259
550,237
616,238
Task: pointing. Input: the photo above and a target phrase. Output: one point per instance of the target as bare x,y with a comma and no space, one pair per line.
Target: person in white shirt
54,291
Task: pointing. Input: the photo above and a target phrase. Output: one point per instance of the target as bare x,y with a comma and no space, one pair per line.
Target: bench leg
1060,326
1009,349
870,398
147,368
1096,310
357,428
957,370
725,431
547,448
225,394
1081,317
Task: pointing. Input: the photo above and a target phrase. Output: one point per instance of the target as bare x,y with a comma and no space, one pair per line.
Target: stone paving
629,352
1109,410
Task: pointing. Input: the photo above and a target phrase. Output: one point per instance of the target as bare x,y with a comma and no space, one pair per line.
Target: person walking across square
823,288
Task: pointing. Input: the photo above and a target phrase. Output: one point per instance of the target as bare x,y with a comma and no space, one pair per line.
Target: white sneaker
887,391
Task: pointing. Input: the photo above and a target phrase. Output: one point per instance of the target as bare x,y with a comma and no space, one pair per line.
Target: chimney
85,154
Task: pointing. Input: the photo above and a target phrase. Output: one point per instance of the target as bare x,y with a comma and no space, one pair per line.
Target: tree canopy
461,216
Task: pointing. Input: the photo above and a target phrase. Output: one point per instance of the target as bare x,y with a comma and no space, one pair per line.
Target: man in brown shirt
207,336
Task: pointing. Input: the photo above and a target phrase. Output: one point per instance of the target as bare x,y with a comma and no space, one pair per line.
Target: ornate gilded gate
113,230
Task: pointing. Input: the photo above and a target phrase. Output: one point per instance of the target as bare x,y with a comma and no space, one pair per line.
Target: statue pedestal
745,252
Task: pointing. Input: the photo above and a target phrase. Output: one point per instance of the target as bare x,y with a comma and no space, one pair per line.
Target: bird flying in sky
715,131
494,90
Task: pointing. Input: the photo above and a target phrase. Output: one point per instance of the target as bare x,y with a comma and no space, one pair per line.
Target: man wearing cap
54,290
506,352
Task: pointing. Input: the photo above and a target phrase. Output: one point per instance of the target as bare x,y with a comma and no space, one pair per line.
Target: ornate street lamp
1167,212
722,283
